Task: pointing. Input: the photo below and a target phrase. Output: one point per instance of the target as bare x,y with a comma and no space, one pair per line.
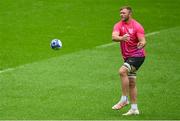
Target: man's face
125,14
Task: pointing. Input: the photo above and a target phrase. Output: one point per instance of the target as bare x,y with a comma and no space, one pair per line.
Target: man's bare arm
117,38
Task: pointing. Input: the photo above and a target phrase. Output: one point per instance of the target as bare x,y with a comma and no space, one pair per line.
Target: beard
125,19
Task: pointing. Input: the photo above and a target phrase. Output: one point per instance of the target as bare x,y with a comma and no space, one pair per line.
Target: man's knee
123,71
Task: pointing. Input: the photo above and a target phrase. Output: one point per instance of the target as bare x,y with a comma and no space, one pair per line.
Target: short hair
126,7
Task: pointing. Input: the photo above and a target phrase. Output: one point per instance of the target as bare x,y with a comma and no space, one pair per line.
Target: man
131,36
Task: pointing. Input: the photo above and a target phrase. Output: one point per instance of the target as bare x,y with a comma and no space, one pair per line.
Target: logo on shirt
130,31
123,29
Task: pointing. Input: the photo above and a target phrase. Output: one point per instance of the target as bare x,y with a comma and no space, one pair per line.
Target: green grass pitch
81,81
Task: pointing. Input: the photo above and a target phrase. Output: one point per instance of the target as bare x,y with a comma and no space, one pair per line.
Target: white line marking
113,43
6,70
152,33
11,69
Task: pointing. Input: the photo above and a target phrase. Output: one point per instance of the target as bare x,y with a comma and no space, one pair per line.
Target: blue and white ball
56,44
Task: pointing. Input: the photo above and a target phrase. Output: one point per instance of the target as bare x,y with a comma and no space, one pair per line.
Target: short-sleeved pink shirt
134,30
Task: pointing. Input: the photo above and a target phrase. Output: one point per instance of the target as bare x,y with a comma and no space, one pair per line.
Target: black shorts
135,61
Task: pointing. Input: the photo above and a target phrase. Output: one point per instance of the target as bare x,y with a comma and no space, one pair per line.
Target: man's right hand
125,37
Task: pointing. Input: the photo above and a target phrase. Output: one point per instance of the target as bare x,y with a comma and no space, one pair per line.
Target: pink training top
134,30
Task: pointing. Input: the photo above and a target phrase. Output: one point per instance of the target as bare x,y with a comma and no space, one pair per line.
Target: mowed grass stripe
100,46
85,84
